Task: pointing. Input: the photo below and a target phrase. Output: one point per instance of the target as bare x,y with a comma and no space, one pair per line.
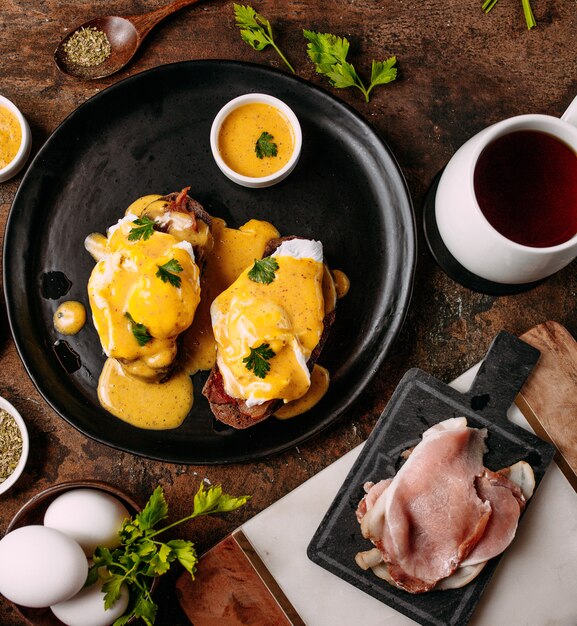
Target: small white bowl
4,486
249,181
23,153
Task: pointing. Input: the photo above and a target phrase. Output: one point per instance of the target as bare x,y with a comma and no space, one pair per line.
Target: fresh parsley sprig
258,360
528,12
263,270
329,54
143,229
141,556
167,272
139,331
256,31
264,146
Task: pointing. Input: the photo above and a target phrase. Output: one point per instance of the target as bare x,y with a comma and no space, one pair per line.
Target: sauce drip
320,379
70,317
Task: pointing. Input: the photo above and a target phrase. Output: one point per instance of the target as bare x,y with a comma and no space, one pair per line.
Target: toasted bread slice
234,411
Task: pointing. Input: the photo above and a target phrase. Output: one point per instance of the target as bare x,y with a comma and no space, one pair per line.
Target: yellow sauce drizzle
10,136
320,379
240,131
69,317
154,406
342,283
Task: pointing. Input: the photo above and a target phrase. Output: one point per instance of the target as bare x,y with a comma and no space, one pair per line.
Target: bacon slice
442,511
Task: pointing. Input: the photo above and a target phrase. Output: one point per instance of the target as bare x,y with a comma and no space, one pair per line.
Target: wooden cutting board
233,585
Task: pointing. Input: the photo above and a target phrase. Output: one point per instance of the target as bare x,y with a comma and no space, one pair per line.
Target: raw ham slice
442,512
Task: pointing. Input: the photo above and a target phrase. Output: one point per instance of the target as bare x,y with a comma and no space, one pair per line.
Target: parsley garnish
329,54
141,556
263,270
529,17
144,229
264,146
139,331
252,30
166,272
258,360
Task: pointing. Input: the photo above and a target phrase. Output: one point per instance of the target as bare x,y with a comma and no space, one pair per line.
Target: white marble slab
535,583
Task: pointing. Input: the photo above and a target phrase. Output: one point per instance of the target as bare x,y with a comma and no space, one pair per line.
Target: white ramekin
23,153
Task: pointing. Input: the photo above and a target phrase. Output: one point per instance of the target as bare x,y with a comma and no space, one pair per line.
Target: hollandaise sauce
10,136
320,379
256,140
282,318
69,317
154,406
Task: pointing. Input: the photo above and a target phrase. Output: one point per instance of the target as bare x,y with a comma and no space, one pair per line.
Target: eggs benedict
269,326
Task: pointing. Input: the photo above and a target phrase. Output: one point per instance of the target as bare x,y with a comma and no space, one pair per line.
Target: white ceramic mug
467,233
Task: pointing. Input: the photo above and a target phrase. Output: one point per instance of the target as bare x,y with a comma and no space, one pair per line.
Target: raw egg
40,566
89,516
86,608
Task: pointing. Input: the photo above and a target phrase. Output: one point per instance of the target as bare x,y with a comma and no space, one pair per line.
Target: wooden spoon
125,35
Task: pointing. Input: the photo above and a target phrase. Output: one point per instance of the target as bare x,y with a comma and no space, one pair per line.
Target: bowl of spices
13,445
256,140
85,52
15,139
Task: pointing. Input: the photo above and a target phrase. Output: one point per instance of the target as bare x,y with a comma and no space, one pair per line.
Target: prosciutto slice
442,511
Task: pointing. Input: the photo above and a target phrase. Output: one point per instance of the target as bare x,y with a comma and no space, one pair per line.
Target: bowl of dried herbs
13,445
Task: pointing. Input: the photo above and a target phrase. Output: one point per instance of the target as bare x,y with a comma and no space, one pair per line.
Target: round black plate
150,134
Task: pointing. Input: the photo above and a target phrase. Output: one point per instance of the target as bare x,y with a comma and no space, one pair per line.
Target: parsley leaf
166,272
143,230
258,360
263,270
141,557
139,331
329,54
264,146
256,31
529,17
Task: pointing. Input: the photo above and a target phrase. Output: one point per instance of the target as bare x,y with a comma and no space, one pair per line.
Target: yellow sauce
342,283
320,379
287,314
234,250
240,132
10,136
69,317
154,406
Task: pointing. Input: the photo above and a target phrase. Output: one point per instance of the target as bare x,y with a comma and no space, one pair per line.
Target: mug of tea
506,203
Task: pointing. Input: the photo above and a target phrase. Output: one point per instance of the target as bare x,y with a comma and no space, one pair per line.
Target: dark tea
526,186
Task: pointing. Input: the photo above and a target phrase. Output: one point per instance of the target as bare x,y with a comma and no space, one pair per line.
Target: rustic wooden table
459,70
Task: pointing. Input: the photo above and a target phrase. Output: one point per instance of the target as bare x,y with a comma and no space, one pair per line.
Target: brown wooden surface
548,399
459,70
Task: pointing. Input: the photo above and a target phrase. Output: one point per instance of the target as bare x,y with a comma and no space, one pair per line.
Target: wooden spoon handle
145,22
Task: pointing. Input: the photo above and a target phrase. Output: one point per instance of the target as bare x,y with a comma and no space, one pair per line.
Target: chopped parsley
139,331
167,272
264,146
258,360
144,228
263,270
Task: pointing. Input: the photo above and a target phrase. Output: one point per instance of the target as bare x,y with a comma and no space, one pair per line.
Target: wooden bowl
33,513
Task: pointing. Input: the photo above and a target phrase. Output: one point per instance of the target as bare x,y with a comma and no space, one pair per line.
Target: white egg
90,516
87,607
40,566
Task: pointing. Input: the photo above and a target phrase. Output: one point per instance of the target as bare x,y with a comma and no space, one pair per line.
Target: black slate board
419,402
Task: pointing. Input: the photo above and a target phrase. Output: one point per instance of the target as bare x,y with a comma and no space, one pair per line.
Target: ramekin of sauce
15,140
256,140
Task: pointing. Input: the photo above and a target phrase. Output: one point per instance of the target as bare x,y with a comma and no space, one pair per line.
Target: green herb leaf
527,11
156,510
264,146
166,272
263,270
256,31
329,54
112,588
144,228
185,553
139,331
258,360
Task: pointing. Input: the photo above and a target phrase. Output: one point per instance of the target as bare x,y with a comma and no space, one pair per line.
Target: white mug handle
570,114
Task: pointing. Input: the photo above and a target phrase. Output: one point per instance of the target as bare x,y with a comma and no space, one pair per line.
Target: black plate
150,134
419,402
